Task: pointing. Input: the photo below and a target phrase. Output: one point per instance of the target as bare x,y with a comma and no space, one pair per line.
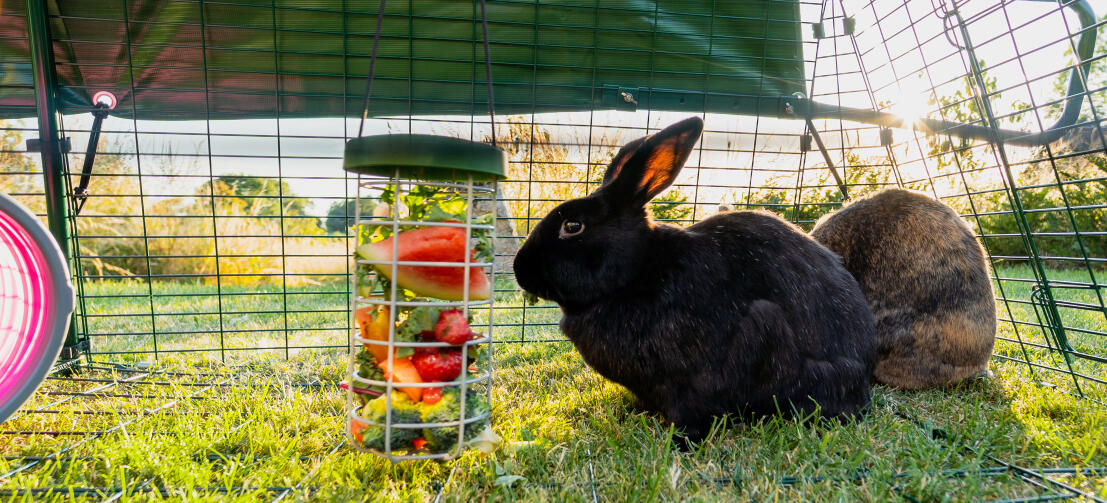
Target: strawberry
432,396
437,366
452,327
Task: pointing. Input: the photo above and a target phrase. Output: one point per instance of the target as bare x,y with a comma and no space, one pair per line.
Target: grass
262,427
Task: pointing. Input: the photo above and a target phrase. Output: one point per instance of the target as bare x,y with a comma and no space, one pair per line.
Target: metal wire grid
752,155
125,401
467,384
1061,294
136,405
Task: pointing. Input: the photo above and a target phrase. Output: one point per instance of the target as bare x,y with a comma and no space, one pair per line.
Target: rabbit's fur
741,314
926,279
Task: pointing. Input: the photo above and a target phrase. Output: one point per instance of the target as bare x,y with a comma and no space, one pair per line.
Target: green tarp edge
190,60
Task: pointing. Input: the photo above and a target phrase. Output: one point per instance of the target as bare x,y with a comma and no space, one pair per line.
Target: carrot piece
374,328
356,428
404,372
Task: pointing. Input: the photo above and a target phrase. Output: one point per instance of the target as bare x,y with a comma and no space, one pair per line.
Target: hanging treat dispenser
419,378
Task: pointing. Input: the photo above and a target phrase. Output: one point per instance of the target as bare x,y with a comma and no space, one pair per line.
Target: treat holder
422,303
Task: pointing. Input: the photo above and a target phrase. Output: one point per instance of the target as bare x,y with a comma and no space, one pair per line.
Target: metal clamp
104,102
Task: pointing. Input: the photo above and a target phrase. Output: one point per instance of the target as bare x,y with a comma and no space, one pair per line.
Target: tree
1095,79
820,193
341,215
256,196
259,197
672,206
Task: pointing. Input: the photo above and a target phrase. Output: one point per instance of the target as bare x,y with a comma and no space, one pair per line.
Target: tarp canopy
188,60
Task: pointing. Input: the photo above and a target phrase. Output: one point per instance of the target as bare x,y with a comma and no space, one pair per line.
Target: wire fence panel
218,231
226,235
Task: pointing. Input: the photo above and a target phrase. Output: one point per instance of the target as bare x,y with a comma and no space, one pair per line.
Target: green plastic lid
424,157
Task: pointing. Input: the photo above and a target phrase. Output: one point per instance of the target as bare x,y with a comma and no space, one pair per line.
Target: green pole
53,164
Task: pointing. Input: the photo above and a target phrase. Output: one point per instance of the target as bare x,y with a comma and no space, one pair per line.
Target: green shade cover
189,60
424,157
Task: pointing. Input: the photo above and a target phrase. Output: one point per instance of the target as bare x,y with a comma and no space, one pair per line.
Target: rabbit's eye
571,228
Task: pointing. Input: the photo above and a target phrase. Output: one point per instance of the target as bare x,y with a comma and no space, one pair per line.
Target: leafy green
419,320
367,368
366,281
478,355
482,251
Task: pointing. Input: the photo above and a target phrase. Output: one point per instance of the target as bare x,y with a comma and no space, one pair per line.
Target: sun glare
911,106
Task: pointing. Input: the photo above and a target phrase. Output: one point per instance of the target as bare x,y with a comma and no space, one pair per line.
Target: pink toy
36,301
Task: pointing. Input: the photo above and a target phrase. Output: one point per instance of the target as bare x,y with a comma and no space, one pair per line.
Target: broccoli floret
404,411
448,409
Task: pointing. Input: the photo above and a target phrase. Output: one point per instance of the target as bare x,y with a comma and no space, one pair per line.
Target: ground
269,428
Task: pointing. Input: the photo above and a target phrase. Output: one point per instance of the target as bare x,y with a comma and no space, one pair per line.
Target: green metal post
53,164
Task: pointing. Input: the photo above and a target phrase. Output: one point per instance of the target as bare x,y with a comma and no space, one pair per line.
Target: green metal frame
50,141
801,107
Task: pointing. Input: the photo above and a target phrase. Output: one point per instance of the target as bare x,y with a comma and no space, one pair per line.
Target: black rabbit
926,278
741,314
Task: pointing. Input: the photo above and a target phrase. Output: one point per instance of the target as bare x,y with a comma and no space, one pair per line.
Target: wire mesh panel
218,232
1036,209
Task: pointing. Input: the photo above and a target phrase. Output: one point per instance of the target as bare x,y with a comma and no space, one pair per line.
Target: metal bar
1085,49
826,157
53,159
803,107
120,426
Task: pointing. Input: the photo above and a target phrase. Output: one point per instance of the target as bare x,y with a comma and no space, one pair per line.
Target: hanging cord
104,102
373,64
488,72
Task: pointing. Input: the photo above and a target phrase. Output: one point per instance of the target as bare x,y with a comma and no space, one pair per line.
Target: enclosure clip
622,97
69,360
73,352
35,145
848,25
885,137
1051,325
818,31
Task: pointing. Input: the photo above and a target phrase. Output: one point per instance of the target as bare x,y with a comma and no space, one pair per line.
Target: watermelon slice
431,244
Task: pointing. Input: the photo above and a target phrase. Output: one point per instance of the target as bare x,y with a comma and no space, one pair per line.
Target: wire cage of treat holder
420,365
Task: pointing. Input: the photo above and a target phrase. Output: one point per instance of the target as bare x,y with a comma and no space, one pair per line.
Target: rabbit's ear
653,165
620,159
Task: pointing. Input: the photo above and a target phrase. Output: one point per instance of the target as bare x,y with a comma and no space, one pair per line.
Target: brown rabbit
926,280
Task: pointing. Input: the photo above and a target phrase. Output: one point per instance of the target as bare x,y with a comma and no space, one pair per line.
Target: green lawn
259,424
